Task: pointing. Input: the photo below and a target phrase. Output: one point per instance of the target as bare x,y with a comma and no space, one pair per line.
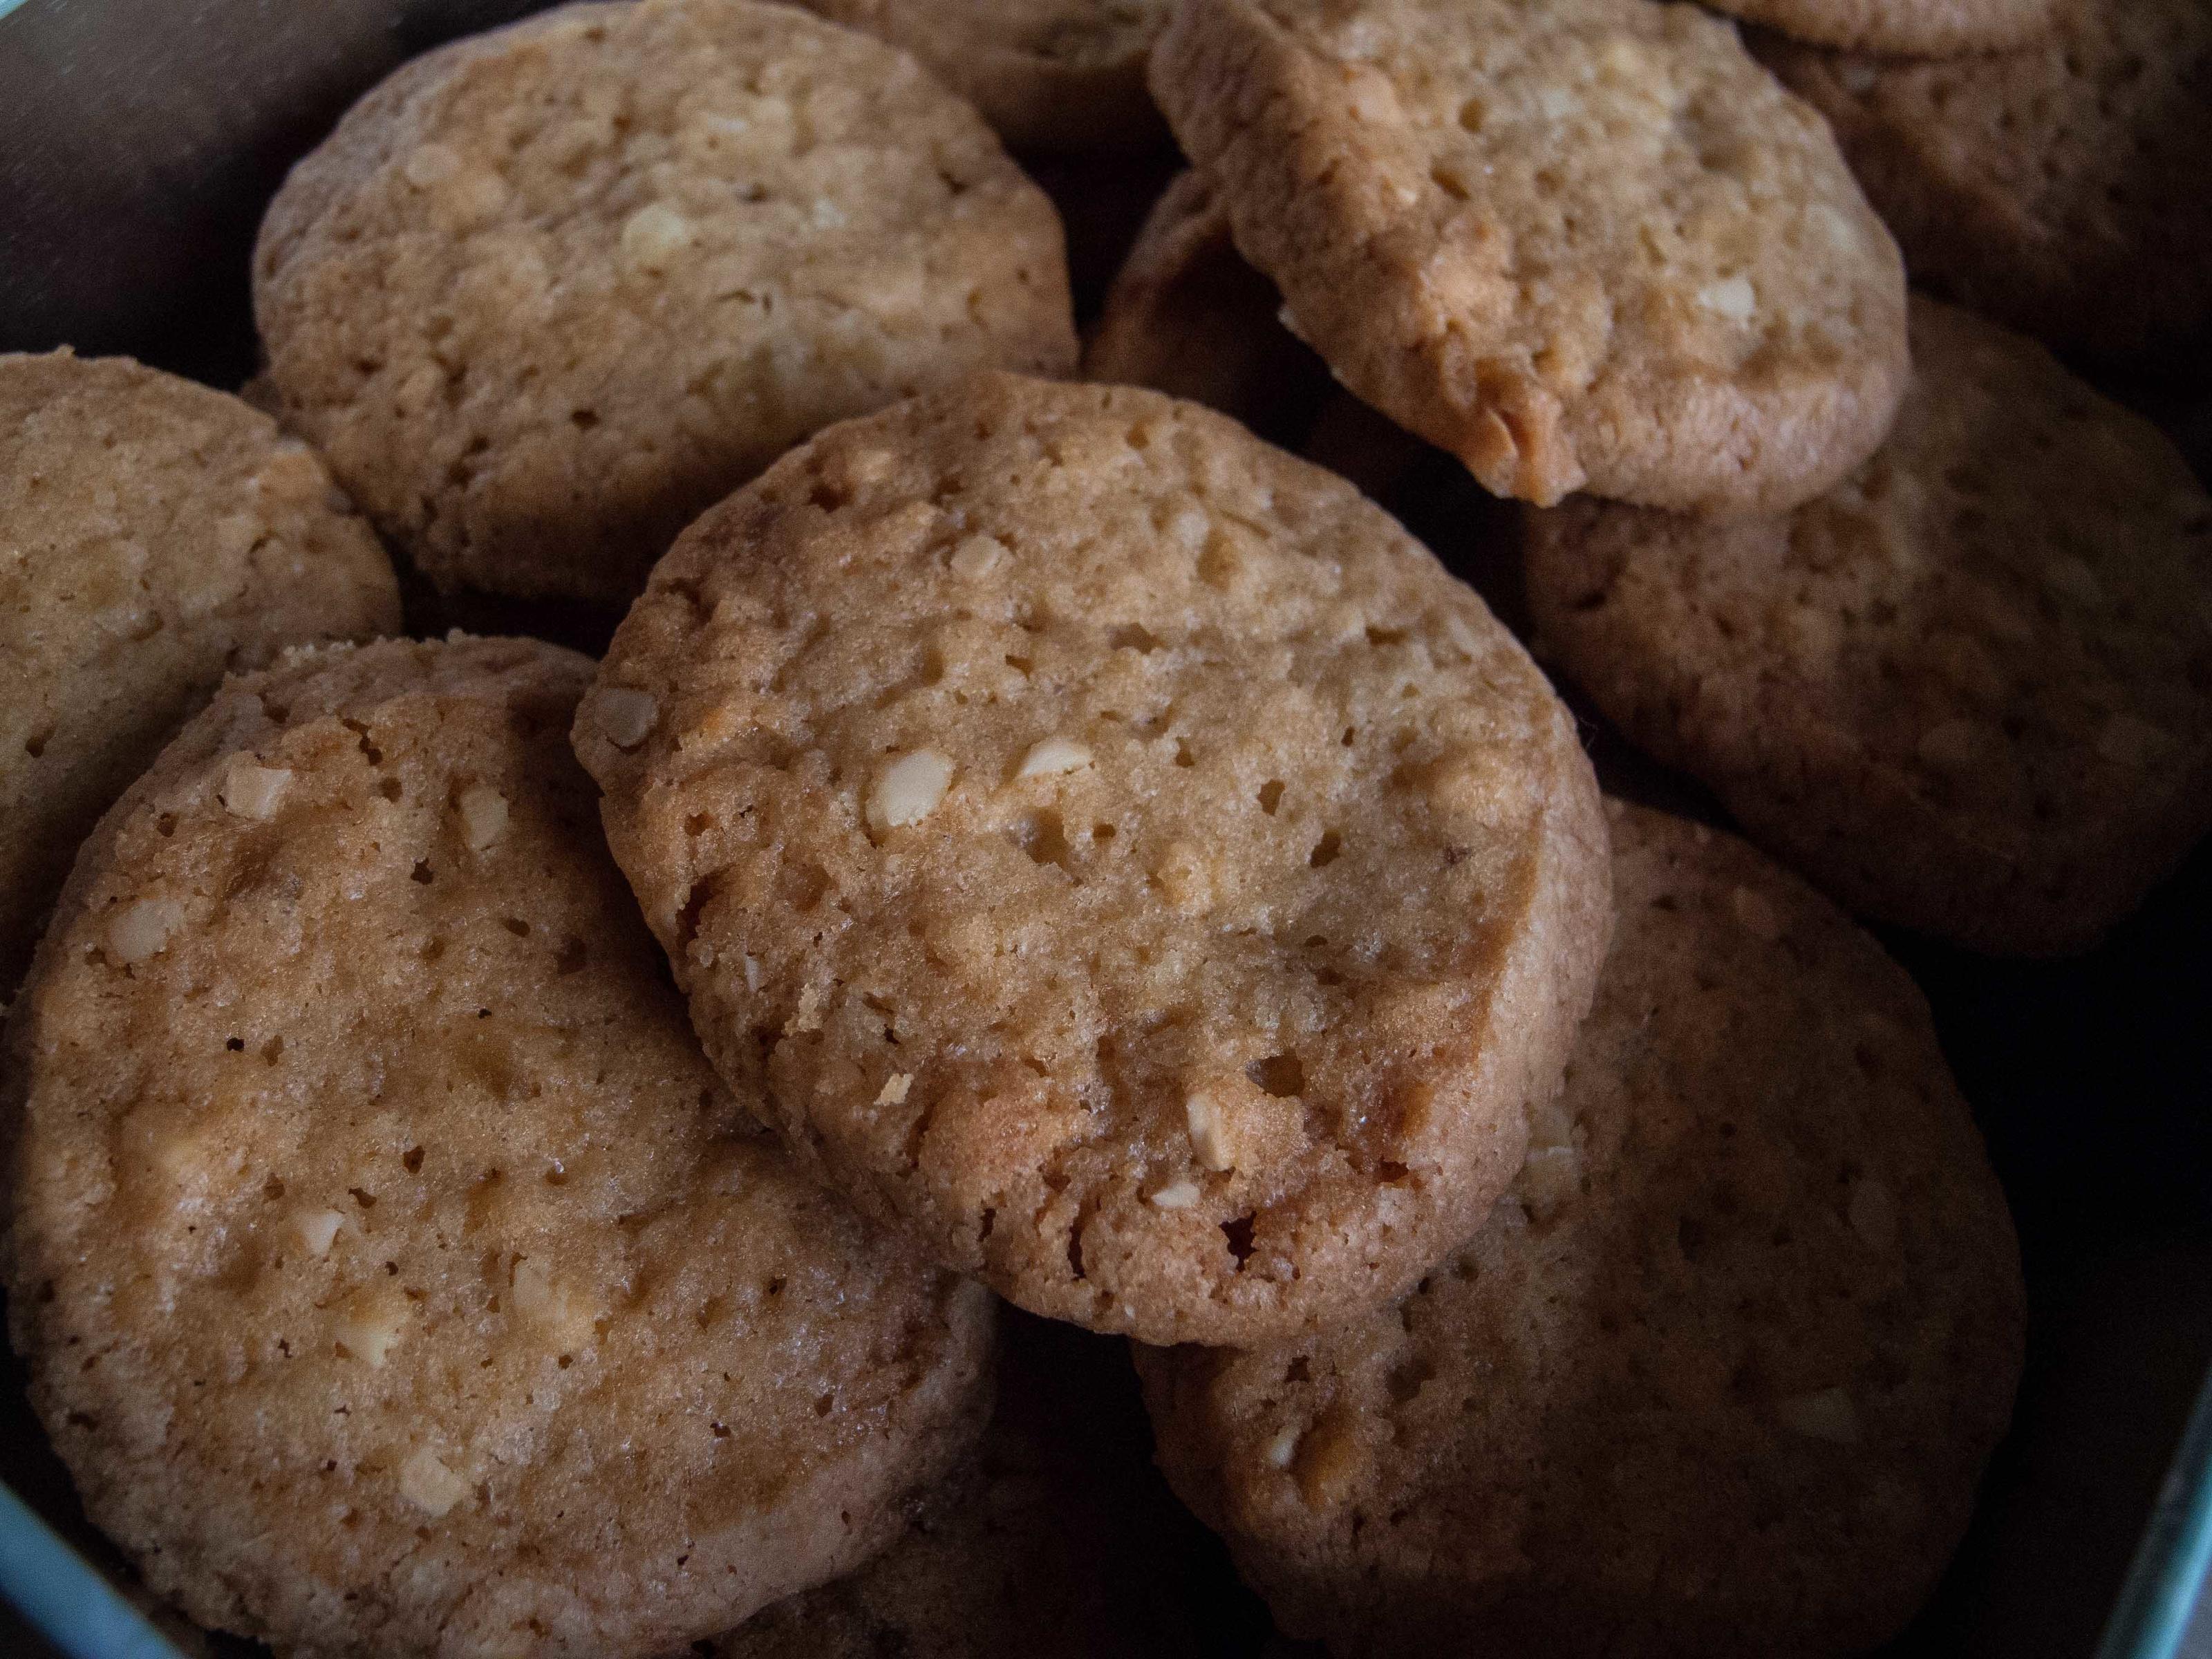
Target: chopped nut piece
978,556
808,1015
1177,1195
427,1483
370,1325
908,790
1755,911
142,930
1873,1212
251,790
1735,299
626,715
752,973
655,237
316,1228
484,815
1053,756
1209,1133
548,1303
893,1090
1827,1414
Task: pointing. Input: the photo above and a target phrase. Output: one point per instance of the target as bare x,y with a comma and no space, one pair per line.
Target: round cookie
1110,850
1589,245
1186,315
1058,76
395,1275
547,293
1720,1376
1918,28
153,536
1970,691
2061,188
1056,1539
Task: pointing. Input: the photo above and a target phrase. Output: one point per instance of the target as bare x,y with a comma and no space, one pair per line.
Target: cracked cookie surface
1110,849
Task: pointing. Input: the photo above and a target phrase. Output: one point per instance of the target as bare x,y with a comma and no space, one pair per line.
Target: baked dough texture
154,535
395,1275
547,293
1915,28
1719,1376
1584,245
1109,850
1969,691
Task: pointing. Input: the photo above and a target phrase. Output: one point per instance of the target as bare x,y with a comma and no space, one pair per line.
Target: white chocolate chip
142,930
908,790
626,715
1209,1133
484,815
1175,1195
893,1090
1551,1175
1826,1414
316,1228
1873,1212
427,1483
1284,1447
1053,756
1732,297
977,558
370,1326
431,164
655,237
251,790
1755,913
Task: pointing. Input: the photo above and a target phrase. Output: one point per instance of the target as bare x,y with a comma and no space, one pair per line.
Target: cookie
1064,77
1055,1539
394,1273
1915,28
547,293
2059,188
1110,850
1970,691
153,536
1586,245
1721,1375
1186,315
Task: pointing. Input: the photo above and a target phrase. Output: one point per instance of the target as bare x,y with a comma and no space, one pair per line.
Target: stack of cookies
513,1153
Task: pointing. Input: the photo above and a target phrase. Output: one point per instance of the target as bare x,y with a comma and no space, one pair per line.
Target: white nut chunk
1209,1132
316,1228
654,238
1175,1195
427,1483
251,790
625,714
908,790
894,1092
977,558
1053,756
1825,1415
370,1325
142,930
484,815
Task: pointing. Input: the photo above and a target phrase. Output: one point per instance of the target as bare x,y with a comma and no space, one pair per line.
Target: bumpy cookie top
548,292
1051,74
1588,243
2060,188
397,1276
1111,848
1719,1377
153,536
1969,691
1934,28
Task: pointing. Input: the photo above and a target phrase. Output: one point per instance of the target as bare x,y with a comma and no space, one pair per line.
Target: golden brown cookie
1915,28
1054,1539
1060,76
154,535
2060,188
1970,691
1110,850
548,292
1718,1377
395,1275
1589,245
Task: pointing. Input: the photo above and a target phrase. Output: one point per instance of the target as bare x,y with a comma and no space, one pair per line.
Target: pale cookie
1054,1539
154,535
1916,28
1587,245
1108,849
548,292
1969,691
1062,76
396,1277
2062,188
1720,1376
